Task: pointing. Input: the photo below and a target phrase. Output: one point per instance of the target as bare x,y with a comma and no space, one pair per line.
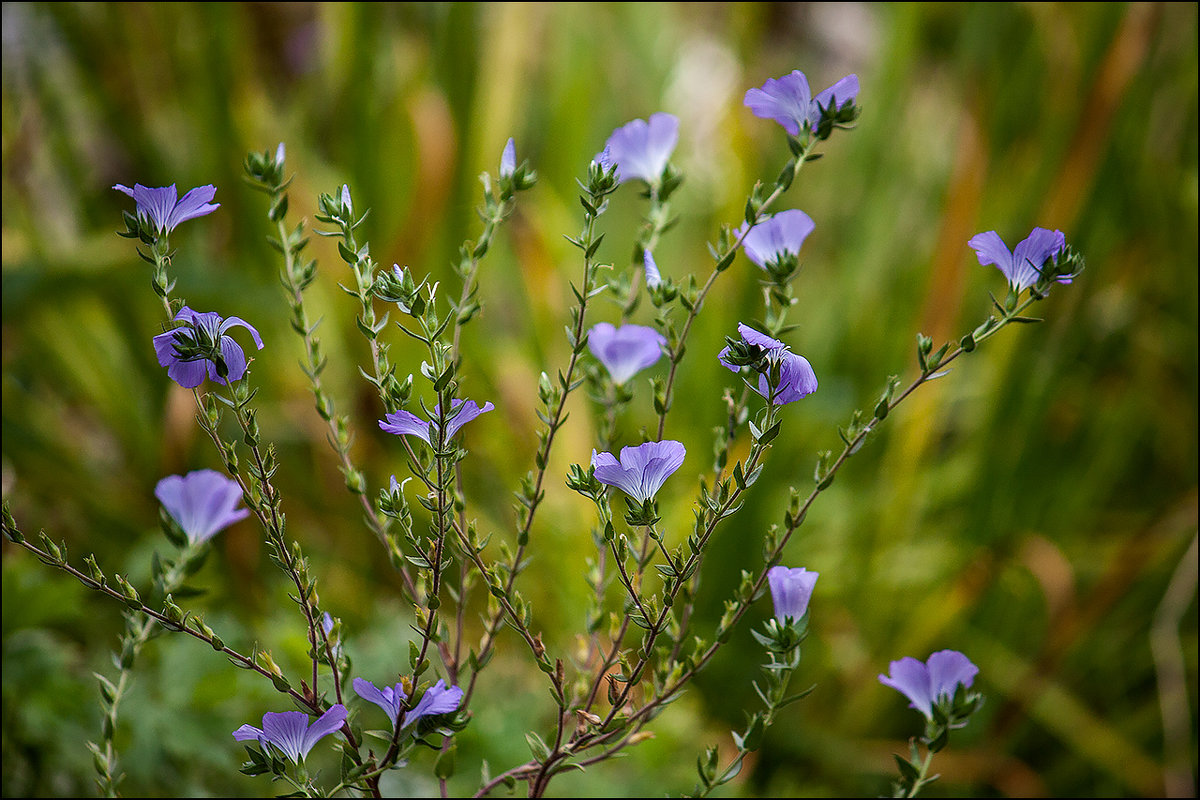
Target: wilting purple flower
438,699
626,350
653,277
796,376
404,423
791,590
642,470
789,101
290,732
1023,266
783,233
641,149
161,209
924,684
203,502
209,324
508,159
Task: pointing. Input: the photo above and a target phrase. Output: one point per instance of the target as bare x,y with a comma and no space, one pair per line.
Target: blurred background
1035,510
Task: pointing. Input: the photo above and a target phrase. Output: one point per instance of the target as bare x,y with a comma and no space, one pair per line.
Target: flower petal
508,159
625,351
990,249
948,669
195,203
438,699
785,100
1030,254
783,233
248,733
155,204
235,360
464,412
285,730
387,698
910,677
403,423
791,589
235,322
326,724
834,97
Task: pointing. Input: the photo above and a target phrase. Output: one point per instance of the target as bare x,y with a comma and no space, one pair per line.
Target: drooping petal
990,249
195,203
249,733
796,379
387,698
235,361
285,730
438,699
326,724
238,322
403,423
786,100
508,159
464,412
911,678
791,589
947,669
625,351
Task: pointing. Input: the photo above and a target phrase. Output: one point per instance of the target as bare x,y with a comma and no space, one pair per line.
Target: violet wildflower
163,211
778,237
796,376
791,590
789,101
1024,265
438,699
625,351
926,684
653,276
641,149
508,159
404,423
205,330
203,502
290,733
642,470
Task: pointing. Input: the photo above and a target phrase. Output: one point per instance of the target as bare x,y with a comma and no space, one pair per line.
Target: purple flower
796,376
789,101
626,350
1023,266
925,684
783,233
508,159
290,732
642,469
438,699
791,590
640,149
653,277
203,502
404,423
161,209
211,326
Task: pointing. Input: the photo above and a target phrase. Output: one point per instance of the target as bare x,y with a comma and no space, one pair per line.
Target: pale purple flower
626,350
203,502
404,423
346,204
280,153
290,732
653,276
925,684
783,233
1023,266
508,159
160,207
642,470
438,699
190,374
641,149
789,101
791,590
796,376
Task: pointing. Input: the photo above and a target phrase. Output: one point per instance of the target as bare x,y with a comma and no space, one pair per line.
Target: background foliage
1034,510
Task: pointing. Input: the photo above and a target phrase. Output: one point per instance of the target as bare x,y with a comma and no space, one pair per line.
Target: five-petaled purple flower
290,732
789,101
641,149
626,350
925,684
161,209
791,590
508,159
203,502
1023,266
438,699
642,470
796,376
404,423
211,326
783,233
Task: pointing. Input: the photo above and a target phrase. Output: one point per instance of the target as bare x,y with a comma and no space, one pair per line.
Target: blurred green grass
1029,510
